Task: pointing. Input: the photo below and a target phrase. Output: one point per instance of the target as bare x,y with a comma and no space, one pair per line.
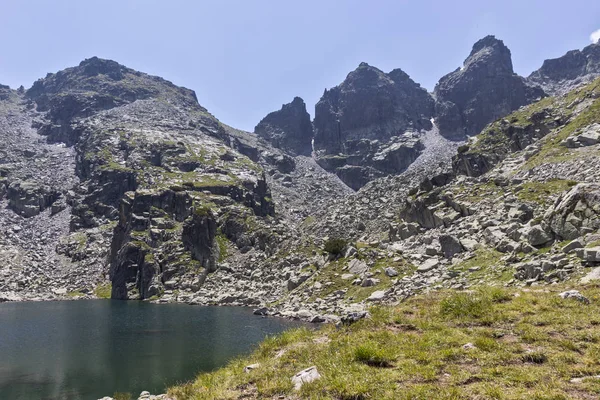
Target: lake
88,349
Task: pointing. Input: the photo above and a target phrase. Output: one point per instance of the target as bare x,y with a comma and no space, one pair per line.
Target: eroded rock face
289,129
559,75
361,125
370,104
484,89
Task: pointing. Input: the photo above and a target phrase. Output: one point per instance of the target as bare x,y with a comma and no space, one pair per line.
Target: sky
245,58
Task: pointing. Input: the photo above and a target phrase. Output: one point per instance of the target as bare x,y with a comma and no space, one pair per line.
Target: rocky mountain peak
559,75
484,89
357,121
289,128
94,85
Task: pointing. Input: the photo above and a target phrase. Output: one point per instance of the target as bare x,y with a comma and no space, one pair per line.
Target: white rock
251,367
428,265
305,376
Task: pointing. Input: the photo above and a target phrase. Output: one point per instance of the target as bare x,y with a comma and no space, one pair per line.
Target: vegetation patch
103,290
335,246
486,344
541,192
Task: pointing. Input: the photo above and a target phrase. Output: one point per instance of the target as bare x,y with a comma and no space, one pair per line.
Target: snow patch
595,36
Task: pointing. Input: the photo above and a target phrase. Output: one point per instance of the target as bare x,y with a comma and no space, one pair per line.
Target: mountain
363,127
576,67
484,89
289,128
129,186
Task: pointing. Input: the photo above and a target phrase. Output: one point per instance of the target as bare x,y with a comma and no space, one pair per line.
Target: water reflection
88,349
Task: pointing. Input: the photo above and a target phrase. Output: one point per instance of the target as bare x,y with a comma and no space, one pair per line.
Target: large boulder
576,212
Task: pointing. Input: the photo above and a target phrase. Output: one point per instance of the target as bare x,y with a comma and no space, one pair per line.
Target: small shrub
335,246
464,305
122,396
535,357
371,354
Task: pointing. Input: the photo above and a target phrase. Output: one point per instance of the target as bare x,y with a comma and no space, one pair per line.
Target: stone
538,236
377,295
572,245
451,246
305,376
575,212
591,276
574,294
368,282
251,367
347,276
357,267
591,255
428,265
391,272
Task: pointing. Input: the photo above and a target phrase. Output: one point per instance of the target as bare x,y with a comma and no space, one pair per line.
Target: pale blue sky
245,58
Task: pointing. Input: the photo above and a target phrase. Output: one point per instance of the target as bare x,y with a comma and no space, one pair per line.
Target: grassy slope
528,344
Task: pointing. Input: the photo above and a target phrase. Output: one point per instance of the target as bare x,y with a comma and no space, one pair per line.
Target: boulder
305,376
450,246
538,236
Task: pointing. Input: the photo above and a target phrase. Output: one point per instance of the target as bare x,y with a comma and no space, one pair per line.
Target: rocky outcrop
289,129
576,213
576,67
484,89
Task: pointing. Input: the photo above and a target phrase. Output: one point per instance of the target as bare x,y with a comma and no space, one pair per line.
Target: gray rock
357,267
538,236
576,295
377,295
391,272
428,265
451,246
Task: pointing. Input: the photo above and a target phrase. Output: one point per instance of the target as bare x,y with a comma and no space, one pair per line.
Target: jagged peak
489,41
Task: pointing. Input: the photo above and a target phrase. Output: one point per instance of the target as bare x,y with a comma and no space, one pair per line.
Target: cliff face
371,105
361,125
289,129
484,89
576,67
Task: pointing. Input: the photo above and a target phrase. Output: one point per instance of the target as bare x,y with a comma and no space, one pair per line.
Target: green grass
103,290
541,192
528,344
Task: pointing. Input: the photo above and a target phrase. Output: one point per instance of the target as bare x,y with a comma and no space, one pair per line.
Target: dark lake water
92,348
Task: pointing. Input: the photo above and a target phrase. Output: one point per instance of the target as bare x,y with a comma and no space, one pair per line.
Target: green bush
371,354
122,396
335,246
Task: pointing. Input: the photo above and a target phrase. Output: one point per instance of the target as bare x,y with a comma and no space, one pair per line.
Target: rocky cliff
289,129
484,89
576,67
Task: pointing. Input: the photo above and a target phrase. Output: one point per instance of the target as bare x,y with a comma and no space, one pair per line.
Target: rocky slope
576,67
